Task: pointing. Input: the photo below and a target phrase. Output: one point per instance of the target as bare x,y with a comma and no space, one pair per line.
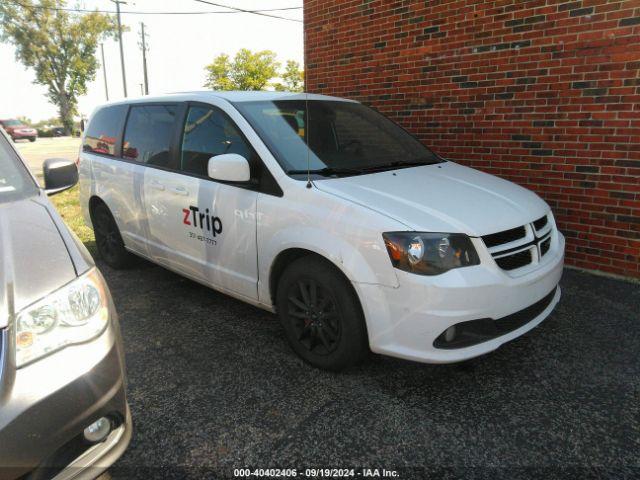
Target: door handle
157,186
180,191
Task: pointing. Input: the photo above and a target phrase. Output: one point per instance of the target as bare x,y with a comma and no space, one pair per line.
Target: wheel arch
92,204
290,255
94,201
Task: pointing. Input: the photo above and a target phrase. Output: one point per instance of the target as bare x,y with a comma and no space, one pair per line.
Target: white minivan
326,212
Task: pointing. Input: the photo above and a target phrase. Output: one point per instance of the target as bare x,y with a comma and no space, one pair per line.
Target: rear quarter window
104,129
147,137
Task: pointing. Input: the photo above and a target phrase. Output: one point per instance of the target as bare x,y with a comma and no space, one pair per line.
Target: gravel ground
213,386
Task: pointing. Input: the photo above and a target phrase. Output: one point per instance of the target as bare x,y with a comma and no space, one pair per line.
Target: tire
108,239
32,139
321,315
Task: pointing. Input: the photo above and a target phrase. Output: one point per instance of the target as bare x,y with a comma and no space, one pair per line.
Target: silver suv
63,409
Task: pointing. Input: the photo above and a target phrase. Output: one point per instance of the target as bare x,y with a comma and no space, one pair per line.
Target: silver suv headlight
429,253
74,314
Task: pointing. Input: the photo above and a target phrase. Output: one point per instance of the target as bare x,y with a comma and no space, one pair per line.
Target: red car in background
18,130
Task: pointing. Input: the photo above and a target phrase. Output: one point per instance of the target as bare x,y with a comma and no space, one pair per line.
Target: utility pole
124,76
143,46
104,72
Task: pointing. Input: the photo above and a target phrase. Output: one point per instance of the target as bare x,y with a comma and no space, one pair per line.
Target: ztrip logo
204,220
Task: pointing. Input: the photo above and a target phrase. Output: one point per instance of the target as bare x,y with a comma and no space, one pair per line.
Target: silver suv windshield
15,181
345,138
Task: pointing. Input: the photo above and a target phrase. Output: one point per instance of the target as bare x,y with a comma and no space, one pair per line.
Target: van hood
34,260
444,197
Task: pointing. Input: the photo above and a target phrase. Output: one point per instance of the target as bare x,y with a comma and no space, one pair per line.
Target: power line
134,12
255,12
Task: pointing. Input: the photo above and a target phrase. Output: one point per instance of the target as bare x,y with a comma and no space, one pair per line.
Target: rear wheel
321,315
108,239
32,139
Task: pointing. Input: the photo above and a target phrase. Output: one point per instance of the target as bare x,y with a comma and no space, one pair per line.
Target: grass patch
68,205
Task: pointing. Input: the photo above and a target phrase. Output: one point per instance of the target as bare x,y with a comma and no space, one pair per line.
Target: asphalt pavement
214,387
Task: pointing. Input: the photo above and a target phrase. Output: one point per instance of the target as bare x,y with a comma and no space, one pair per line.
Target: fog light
98,431
450,334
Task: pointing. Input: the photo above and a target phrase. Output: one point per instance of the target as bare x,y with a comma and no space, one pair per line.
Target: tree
59,46
292,78
247,71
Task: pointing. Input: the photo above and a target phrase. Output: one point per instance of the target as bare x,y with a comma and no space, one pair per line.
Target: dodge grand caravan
63,411
326,212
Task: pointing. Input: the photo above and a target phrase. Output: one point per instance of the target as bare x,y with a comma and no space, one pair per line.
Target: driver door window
209,132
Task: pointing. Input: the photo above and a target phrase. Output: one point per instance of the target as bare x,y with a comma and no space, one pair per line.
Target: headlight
429,253
76,313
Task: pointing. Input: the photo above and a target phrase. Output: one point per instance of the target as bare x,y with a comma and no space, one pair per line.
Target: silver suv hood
444,197
34,260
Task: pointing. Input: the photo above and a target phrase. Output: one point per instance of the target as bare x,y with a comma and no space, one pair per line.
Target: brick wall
543,93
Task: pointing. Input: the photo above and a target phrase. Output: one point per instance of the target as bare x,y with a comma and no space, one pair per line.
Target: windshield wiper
400,163
327,171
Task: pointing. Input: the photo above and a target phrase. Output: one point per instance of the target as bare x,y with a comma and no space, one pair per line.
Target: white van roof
230,96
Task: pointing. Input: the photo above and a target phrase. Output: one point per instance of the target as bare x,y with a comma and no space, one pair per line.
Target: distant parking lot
213,386
36,153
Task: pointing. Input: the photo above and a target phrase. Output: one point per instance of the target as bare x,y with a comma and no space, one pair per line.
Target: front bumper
45,407
405,322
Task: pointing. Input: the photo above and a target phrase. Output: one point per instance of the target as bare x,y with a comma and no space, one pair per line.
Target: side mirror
59,175
229,167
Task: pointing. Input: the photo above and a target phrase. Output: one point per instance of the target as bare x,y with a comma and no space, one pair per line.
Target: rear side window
209,132
147,137
103,130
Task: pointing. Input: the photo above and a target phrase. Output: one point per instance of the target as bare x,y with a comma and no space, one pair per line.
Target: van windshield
15,181
345,138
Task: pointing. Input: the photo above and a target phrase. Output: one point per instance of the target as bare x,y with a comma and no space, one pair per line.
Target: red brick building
545,93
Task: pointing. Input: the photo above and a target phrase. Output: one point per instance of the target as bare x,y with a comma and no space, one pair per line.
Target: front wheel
108,239
32,139
321,315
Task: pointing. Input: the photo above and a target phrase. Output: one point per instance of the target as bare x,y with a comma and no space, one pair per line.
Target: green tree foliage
292,78
247,71
59,46
253,71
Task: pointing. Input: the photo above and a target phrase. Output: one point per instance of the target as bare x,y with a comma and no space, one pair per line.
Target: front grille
545,246
517,260
514,248
540,223
474,332
507,236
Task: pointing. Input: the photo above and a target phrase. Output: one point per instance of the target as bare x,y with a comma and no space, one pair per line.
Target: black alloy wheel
108,239
314,315
321,314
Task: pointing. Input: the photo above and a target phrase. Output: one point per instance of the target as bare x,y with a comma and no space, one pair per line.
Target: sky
180,46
